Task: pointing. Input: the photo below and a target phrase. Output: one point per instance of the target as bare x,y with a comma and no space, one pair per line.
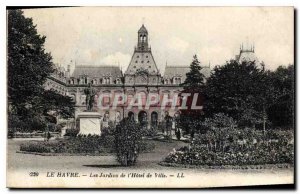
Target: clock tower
142,69
142,39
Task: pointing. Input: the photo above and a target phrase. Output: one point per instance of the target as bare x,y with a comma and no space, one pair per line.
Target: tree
190,118
194,78
28,63
281,111
127,141
50,101
238,90
28,68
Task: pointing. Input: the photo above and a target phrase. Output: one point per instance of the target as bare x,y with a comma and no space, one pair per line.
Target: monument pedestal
89,123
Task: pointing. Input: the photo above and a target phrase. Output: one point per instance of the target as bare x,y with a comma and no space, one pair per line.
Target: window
134,67
148,61
129,98
106,80
149,67
142,61
106,100
137,56
146,56
135,61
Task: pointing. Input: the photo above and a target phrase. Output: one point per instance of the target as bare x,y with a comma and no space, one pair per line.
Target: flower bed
221,142
79,145
259,156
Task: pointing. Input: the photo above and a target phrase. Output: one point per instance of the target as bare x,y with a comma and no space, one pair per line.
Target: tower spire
143,39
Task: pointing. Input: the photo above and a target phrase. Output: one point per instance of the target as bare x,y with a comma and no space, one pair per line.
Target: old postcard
150,97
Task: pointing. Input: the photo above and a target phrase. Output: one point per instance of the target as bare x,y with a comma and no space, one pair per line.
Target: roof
97,71
142,61
171,71
247,56
143,29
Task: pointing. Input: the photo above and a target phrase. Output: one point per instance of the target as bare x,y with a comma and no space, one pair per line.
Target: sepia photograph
150,97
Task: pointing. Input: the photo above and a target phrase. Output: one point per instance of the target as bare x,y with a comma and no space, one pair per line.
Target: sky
108,35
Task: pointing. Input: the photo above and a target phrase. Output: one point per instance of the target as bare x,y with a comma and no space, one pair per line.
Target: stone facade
141,77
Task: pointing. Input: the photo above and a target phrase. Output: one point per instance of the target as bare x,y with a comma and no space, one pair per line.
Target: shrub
40,147
149,132
88,144
72,132
110,130
127,141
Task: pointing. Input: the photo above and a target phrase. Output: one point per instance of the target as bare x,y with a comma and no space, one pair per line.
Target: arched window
179,80
129,98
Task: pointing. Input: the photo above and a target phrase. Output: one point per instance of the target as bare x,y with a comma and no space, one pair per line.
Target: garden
222,142
80,145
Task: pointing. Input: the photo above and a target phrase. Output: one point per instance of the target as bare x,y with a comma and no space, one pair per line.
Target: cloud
177,44
117,58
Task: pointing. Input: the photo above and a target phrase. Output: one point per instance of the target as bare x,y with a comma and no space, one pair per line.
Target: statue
90,95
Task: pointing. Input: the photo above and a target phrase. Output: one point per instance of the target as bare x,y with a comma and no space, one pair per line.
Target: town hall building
141,77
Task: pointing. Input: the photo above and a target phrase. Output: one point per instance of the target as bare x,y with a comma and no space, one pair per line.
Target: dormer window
106,80
177,80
